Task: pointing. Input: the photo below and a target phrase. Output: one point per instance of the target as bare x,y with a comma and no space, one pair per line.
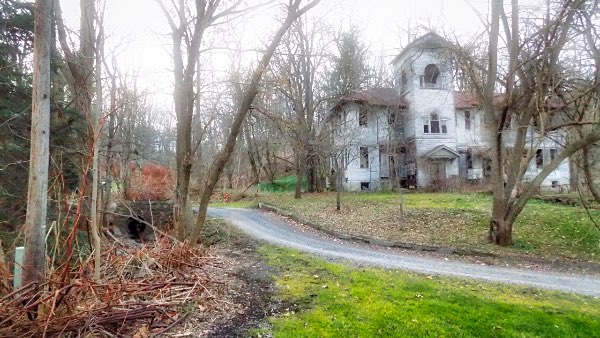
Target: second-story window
362,117
467,120
539,159
434,125
434,121
391,117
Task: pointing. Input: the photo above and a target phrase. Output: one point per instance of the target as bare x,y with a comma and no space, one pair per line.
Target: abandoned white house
422,133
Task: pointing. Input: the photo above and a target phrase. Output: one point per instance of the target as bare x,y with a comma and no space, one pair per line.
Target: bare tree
187,31
37,194
530,90
297,68
294,11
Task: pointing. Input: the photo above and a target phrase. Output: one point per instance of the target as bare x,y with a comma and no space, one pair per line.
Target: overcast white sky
140,25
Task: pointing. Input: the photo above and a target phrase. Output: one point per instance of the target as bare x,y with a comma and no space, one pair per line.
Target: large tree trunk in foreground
587,170
250,92
37,193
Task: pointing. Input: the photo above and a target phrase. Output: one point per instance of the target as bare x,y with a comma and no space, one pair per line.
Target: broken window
444,126
364,186
434,121
539,158
552,154
434,125
430,76
364,157
469,159
391,118
362,117
467,120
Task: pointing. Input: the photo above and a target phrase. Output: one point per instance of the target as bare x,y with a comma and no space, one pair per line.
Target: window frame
539,159
363,153
363,119
430,76
467,120
434,122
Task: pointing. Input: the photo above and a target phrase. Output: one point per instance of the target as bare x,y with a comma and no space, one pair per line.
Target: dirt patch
240,295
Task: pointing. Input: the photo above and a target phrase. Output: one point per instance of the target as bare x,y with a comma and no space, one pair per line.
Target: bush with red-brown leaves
152,182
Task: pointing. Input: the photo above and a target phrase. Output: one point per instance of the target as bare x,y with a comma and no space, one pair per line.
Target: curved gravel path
271,228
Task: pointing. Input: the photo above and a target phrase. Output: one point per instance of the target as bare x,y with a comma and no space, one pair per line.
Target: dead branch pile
142,294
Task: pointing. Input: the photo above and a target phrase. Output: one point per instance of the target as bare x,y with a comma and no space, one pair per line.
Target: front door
438,173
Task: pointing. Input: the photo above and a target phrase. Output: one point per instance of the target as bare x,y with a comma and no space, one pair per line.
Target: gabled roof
466,100
430,40
386,97
441,152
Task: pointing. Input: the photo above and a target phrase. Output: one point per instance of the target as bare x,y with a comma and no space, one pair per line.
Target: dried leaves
141,294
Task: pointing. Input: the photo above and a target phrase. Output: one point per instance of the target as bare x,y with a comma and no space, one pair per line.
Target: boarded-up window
364,157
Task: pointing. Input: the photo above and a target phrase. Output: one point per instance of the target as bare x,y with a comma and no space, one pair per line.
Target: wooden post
37,193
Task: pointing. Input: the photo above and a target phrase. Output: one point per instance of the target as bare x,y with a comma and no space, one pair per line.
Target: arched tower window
430,76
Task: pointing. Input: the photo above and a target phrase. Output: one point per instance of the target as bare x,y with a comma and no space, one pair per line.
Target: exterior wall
353,136
473,137
422,101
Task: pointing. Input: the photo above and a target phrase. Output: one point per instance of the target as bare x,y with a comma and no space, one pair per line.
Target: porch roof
441,152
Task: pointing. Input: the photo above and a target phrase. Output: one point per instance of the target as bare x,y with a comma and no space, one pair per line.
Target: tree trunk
94,221
37,193
588,173
250,92
338,188
299,177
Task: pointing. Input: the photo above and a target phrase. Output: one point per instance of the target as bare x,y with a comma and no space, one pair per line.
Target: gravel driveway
272,229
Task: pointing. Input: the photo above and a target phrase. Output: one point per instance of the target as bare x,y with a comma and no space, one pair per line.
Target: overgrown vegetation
334,300
458,220
284,184
218,231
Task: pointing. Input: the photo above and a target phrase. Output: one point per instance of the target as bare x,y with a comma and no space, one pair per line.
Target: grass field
332,300
450,219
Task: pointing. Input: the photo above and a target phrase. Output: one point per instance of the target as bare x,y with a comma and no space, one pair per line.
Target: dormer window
430,76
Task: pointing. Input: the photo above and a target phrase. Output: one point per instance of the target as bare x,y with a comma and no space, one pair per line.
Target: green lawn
333,300
450,219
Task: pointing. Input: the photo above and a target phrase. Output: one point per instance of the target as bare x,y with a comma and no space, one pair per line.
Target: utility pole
37,192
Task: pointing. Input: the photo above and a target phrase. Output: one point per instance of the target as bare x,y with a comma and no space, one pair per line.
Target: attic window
430,76
362,118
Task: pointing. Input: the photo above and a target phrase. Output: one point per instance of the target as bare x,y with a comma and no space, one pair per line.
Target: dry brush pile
142,293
